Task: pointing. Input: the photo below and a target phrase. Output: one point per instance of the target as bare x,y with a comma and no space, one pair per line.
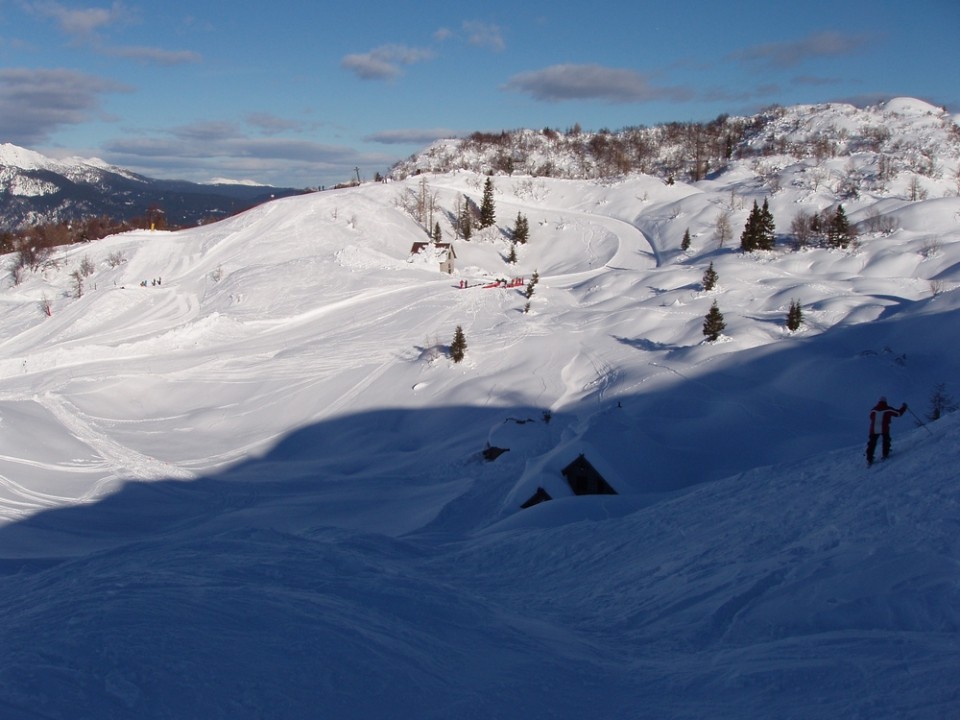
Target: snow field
257,489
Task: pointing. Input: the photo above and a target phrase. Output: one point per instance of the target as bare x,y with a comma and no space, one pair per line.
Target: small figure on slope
880,417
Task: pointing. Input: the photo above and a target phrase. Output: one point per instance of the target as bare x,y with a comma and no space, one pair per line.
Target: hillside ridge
902,135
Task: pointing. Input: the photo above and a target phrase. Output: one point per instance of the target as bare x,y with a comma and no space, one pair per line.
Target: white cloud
384,63
790,54
85,26
81,23
271,124
152,54
592,82
200,150
414,136
34,103
484,34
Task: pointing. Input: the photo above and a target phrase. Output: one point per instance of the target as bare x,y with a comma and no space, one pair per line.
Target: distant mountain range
37,189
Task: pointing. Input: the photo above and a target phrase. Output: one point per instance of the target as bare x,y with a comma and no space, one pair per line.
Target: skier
880,417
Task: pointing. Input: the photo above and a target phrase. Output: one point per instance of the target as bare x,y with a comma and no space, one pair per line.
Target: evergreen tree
521,230
487,214
838,229
459,345
465,219
794,316
710,278
437,235
748,238
713,323
765,230
532,283
758,233
512,257
685,243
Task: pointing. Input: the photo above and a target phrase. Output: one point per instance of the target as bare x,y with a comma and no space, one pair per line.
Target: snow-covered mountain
38,189
241,477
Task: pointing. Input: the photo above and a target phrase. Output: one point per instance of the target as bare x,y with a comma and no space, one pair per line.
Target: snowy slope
240,477
805,590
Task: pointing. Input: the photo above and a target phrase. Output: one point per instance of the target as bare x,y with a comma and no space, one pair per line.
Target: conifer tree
710,278
521,230
838,229
794,316
713,323
685,243
758,233
465,220
437,235
748,238
535,278
765,230
487,213
512,257
459,346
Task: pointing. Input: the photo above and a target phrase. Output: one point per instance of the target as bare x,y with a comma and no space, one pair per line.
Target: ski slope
256,488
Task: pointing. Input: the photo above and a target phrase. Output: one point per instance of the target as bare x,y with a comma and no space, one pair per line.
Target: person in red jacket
880,418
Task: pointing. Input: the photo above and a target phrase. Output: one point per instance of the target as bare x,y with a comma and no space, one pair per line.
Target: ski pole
919,421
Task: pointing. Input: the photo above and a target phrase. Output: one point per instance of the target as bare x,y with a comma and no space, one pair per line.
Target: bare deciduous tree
801,229
916,190
722,228
940,402
116,258
879,223
87,266
77,277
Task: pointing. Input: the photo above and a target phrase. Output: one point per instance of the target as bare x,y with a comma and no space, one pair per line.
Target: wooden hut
584,479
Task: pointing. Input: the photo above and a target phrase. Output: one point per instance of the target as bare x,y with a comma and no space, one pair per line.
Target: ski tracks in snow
126,462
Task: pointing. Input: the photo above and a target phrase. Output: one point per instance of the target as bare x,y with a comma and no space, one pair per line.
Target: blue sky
299,94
